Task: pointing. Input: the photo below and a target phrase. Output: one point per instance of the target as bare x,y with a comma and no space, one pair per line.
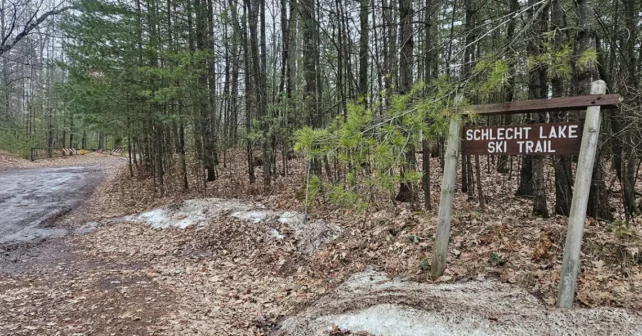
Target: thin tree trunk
538,89
562,164
482,201
428,76
249,88
363,51
510,89
406,188
630,89
598,203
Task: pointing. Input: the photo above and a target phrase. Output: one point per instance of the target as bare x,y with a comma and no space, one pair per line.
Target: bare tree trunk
510,89
630,89
537,89
429,74
249,89
263,111
390,48
525,187
309,64
310,50
129,149
211,141
406,189
469,58
363,51
562,164
470,178
234,87
464,174
482,201
340,88
598,203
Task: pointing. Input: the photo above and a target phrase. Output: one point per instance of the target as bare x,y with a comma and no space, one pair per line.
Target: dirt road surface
48,286
31,200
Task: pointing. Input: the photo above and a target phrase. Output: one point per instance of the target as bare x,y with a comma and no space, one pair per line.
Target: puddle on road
38,234
33,234
34,199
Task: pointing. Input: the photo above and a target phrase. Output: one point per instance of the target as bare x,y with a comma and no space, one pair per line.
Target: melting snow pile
191,212
374,304
198,212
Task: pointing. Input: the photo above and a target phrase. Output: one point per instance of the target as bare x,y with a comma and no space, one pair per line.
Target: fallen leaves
235,277
12,161
542,248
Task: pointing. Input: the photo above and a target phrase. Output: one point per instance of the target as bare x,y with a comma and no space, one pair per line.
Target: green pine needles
363,152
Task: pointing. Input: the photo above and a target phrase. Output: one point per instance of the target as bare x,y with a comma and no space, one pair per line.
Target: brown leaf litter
232,277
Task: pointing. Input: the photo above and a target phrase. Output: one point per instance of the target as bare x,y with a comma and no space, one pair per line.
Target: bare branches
34,21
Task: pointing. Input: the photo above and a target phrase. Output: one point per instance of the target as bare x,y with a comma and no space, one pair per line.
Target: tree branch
4,47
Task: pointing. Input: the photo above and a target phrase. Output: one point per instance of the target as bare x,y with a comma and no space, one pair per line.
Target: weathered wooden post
440,250
530,139
586,160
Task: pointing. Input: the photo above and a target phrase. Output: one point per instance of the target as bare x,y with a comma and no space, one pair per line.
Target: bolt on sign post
530,139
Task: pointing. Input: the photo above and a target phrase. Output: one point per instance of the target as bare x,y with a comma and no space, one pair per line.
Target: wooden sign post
530,139
586,159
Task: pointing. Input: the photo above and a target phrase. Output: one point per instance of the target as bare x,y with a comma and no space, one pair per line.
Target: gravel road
32,199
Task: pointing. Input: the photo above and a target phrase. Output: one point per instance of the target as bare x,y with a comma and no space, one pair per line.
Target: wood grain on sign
528,139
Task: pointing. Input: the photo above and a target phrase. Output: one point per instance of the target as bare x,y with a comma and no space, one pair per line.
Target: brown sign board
528,139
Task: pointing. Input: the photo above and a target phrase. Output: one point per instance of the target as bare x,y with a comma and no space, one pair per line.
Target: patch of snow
277,235
87,228
290,217
391,319
191,212
255,216
198,212
370,301
156,218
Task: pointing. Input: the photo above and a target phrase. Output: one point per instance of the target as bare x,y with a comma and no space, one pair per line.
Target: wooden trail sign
528,139
477,141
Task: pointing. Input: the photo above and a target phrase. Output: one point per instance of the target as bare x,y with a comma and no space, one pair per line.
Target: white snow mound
191,212
371,302
310,235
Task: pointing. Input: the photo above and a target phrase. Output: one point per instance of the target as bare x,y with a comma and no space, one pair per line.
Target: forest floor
247,266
